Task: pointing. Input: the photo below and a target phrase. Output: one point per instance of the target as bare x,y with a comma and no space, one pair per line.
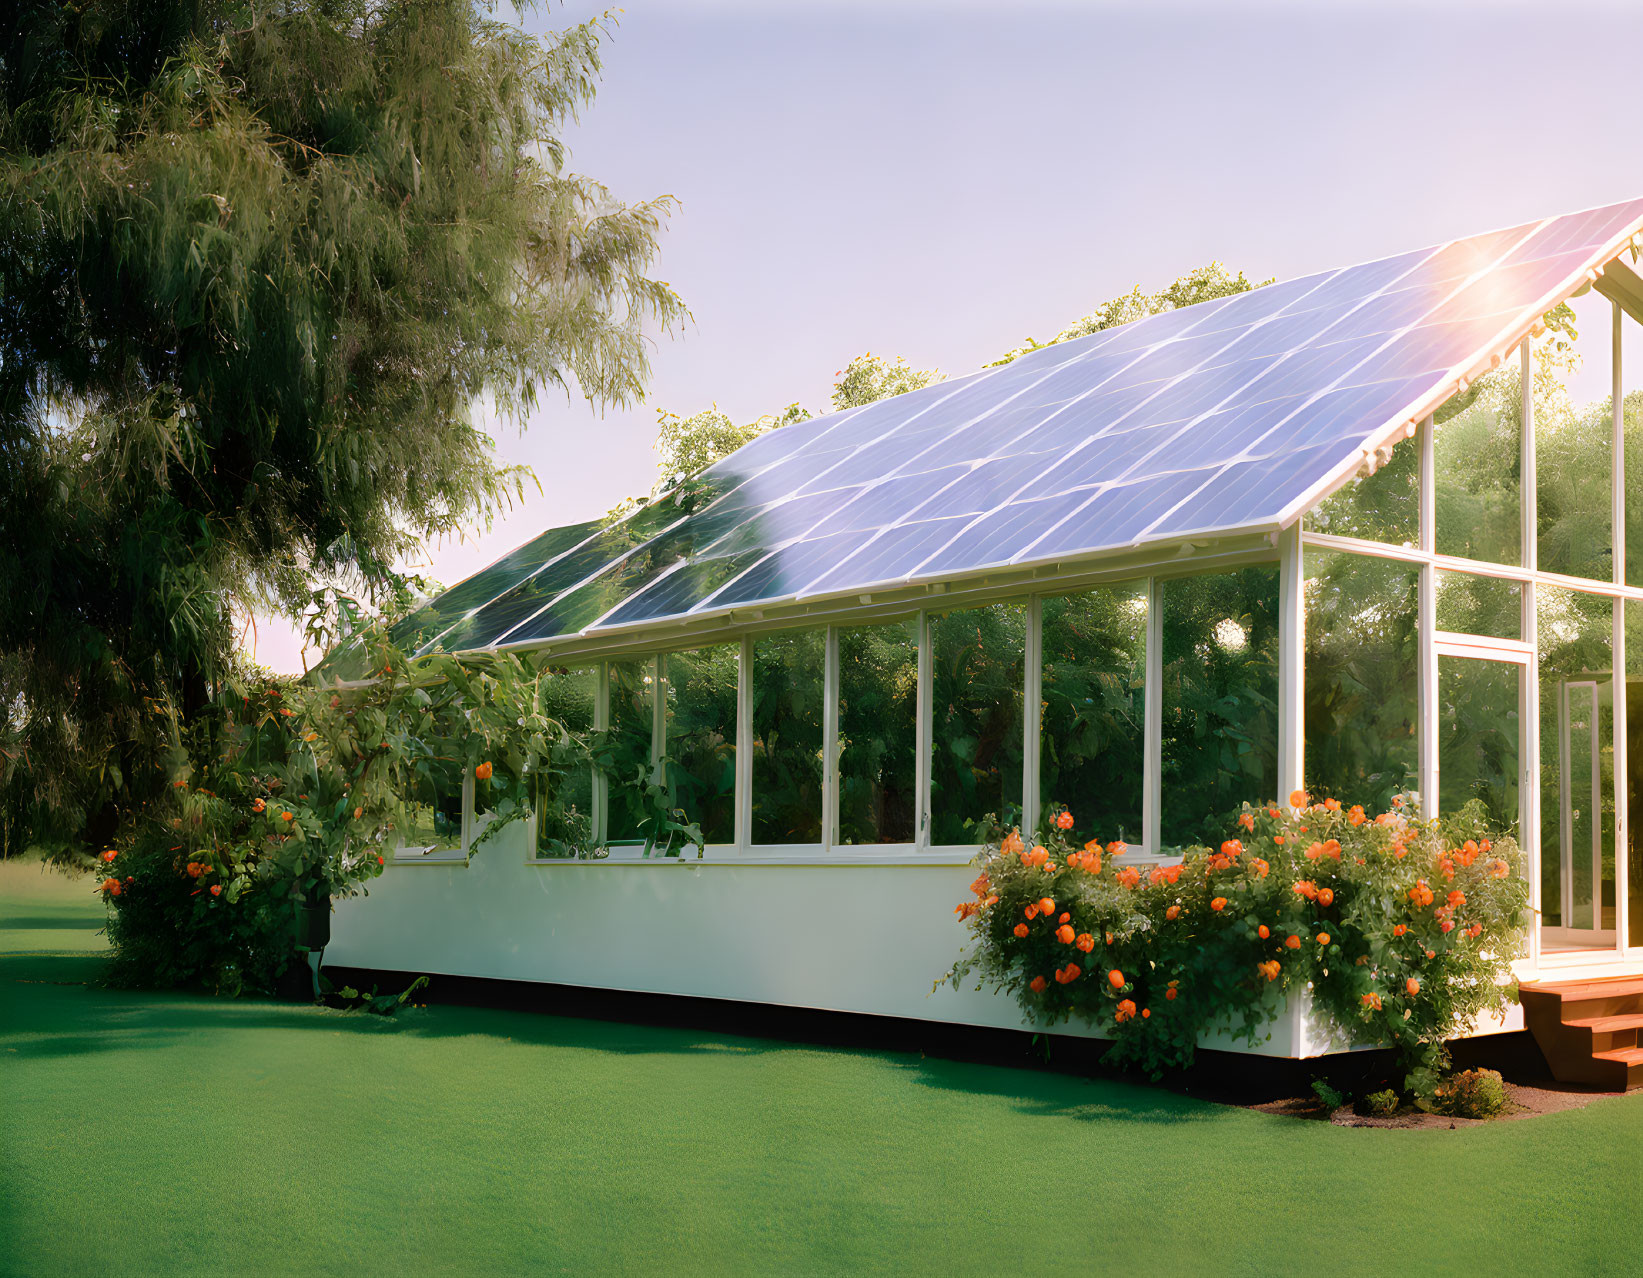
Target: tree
256,263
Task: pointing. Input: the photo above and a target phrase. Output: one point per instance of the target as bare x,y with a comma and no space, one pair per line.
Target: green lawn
159,1133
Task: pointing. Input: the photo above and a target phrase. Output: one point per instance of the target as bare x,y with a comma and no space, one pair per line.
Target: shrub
1332,1100
1382,1104
1472,1093
1404,930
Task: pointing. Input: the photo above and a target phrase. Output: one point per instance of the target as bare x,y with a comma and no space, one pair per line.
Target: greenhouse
1350,533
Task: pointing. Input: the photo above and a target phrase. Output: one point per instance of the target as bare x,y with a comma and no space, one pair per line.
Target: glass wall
1092,742
1479,738
1362,678
699,691
1577,795
564,800
630,756
1384,506
878,733
1478,473
789,670
1634,764
977,665
1220,701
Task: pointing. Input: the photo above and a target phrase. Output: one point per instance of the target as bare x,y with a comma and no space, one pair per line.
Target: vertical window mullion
1427,623
1529,694
1291,663
1032,702
1622,785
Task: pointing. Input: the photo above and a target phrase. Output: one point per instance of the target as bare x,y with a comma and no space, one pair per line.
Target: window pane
1092,742
878,718
1362,678
1634,482
788,674
1577,812
700,690
436,798
1478,475
564,801
978,660
1384,506
1220,695
632,726
1478,737
1473,605
1574,467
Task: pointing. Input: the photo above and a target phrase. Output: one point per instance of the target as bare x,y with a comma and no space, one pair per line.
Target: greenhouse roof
1232,416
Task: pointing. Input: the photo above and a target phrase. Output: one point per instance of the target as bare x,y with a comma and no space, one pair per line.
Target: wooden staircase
1588,1029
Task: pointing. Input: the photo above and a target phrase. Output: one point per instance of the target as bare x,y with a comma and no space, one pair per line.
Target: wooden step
1591,987
1588,1030
1609,1024
1626,1064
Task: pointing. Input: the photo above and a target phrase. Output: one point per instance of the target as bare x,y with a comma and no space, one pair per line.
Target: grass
165,1133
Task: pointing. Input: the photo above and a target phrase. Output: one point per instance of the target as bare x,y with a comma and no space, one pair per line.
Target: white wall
840,937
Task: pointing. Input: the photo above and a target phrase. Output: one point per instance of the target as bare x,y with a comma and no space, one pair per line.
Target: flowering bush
299,797
1404,930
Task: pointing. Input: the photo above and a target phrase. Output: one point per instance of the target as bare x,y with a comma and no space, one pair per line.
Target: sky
939,179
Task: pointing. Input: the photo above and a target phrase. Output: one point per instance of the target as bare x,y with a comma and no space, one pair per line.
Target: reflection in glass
1574,469
631,758
1093,734
1474,605
788,676
1478,737
1362,678
700,705
878,725
436,799
1577,813
977,666
1220,699
564,800
1383,507
1478,474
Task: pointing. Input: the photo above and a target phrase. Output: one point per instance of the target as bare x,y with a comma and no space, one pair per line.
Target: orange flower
1260,867
1247,821
1085,942
1420,894
1274,813
1306,888
1398,850
1012,843
1115,978
1169,994
1117,848
482,771
1326,896
1072,974
1036,857
1412,987
1332,805
1172,913
1031,911
111,886
1278,839
966,908
1124,1011
380,861
1457,898
1372,1000
1332,849
258,805
1293,942
1499,869
1356,817
1297,798
1315,851
287,816
1219,903
1046,907
110,855
1129,876
1398,929
1065,918
980,886
1064,934
1323,938
285,712
216,889
1037,985
358,812
1231,848
1270,969
1263,931
1146,1012
1064,821
1021,930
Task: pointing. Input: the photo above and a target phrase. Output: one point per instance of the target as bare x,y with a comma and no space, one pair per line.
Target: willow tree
257,262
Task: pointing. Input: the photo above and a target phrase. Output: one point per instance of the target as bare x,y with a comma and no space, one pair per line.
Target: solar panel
1228,415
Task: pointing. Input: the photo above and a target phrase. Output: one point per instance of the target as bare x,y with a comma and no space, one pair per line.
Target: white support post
923,735
744,745
830,740
1427,624
601,783
658,728
1291,662
1529,690
1152,761
1622,778
1032,701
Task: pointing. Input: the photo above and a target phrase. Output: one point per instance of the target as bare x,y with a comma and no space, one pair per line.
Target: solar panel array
1207,419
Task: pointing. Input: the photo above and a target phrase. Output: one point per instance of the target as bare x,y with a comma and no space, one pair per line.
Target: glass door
1480,720
1577,885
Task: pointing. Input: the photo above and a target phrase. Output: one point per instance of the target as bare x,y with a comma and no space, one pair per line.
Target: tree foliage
256,262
